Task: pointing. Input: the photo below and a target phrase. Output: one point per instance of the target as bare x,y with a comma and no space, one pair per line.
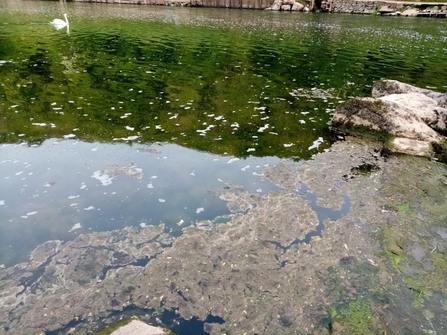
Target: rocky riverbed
351,241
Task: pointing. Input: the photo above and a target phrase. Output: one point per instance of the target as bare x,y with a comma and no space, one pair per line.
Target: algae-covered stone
279,264
406,119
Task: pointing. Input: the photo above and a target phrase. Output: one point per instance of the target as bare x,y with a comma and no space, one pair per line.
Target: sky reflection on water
66,187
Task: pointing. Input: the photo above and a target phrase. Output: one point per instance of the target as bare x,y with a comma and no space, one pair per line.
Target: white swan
58,23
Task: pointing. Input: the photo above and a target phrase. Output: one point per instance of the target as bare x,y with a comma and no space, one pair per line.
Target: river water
136,115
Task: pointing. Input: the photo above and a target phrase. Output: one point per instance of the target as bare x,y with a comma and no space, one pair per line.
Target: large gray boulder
297,7
407,119
387,87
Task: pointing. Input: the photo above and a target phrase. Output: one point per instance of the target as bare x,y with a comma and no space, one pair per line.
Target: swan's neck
66,18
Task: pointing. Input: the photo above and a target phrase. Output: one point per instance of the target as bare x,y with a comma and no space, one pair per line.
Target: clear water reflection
134,117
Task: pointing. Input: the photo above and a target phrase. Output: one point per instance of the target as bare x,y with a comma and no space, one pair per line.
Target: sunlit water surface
138,115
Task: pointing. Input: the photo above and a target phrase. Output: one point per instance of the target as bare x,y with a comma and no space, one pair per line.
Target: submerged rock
407,119
307,256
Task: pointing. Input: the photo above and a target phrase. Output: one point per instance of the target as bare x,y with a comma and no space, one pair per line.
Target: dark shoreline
366,7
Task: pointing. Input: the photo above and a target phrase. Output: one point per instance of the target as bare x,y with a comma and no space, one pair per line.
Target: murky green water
140,114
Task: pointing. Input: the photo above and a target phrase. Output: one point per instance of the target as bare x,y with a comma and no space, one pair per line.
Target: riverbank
351,241
395,8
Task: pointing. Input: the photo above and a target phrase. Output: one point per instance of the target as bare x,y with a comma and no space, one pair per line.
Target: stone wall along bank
398,8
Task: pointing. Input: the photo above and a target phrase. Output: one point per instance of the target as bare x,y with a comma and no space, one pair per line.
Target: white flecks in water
192,173
153,177
106,176
69,136
19,173
29,214
287,145
245,167
261,129
76,226
231,160
251,149
48,184
89,208
73,196
83,186
143,224
94,149
257,174
130,128
161,200
39,124
302,121
199,210
203,131
129,138
74,204
125,115
102,177
259,190
150,185
316,143
180,223
2,202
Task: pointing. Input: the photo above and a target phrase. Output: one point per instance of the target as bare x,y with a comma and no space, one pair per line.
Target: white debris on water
261,129
231,160
199,210
29,214
76,226
161,200
316,143
89,208
2,202
104,178
128,138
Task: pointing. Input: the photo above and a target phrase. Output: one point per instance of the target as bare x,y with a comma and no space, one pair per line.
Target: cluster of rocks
406,118
289,6
433,11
